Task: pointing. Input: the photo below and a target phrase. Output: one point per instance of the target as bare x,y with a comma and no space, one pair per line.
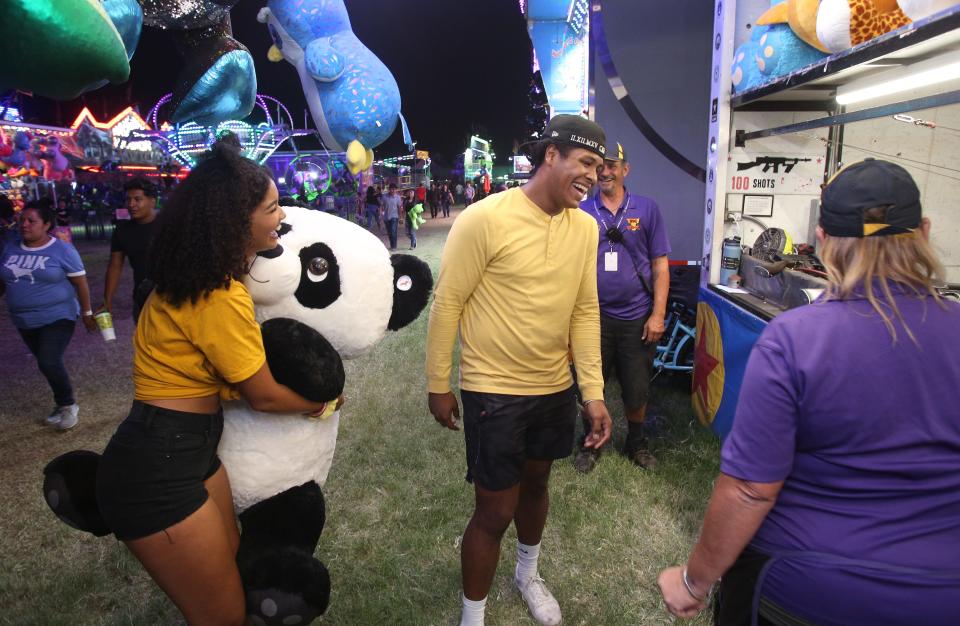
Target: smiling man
518,280
633,282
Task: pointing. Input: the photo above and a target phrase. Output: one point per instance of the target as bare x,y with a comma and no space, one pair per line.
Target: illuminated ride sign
560,32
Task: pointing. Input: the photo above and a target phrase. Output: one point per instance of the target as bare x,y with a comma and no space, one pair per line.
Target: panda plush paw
69,489
301,596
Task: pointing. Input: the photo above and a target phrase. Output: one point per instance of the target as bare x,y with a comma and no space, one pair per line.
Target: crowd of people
838,499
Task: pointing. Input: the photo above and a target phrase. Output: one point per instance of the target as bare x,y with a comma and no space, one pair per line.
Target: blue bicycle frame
675,352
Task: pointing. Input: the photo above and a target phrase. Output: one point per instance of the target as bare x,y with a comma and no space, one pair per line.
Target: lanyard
622,211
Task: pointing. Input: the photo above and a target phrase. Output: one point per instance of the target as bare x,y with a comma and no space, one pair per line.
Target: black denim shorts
151,474
503,431
624,352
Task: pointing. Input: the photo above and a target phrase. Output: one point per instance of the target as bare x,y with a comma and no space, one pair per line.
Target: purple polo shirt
866,434
622,295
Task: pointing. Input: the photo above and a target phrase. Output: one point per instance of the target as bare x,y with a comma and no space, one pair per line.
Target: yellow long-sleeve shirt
521,286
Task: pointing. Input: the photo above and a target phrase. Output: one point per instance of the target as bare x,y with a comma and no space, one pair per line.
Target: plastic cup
105,324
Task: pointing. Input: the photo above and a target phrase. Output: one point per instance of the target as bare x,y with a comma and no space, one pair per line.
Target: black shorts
623,351
151,474
503,431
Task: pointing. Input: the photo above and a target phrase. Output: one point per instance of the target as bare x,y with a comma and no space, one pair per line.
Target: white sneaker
68,417
543,606
51,420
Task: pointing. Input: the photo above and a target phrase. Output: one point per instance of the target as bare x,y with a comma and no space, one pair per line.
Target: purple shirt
866,434
622,295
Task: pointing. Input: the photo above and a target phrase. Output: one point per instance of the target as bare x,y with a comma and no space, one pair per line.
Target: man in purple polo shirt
633,280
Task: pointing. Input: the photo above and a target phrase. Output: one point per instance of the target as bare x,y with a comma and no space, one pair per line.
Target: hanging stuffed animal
60,48
13,153
353,97
63,48
55,165
218,81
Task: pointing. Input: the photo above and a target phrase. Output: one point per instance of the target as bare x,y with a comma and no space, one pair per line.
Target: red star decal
819,160
705,364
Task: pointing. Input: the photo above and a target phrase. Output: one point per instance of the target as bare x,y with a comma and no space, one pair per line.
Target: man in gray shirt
391,204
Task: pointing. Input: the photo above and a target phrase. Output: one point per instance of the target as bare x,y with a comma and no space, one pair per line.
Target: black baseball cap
615,152
575,131
866,185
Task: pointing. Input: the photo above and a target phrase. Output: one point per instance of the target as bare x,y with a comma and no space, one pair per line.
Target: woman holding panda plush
160,485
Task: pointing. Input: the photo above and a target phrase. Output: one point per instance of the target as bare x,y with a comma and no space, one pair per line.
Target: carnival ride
186,142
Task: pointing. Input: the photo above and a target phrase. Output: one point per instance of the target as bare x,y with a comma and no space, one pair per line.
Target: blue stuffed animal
772,51
353,97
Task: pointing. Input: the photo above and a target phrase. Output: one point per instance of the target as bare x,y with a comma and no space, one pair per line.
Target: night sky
462,67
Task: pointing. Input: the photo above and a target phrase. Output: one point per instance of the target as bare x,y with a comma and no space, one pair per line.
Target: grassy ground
397,502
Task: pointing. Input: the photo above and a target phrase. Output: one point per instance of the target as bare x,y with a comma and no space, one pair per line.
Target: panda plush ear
412,283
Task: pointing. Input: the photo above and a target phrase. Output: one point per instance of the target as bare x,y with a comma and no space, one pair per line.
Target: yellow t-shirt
196,350
521,288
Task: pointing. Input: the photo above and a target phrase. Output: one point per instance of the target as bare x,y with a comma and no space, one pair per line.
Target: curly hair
204,231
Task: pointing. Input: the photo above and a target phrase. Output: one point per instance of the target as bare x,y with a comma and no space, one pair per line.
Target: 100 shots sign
774,173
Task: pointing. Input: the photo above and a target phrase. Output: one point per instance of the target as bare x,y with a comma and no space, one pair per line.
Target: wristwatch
88,314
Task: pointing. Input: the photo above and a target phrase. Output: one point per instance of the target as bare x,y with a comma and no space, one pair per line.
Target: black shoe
639,454
586,459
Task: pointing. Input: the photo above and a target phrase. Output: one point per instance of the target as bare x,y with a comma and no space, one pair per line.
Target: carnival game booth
815,86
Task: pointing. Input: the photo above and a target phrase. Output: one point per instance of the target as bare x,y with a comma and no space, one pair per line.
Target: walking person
518,283
838,500
392,205
46,289
160,486
131,240
412,211
372,208
468,193
433,197
446,199
633,282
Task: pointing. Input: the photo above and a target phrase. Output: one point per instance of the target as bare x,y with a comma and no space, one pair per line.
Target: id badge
609,261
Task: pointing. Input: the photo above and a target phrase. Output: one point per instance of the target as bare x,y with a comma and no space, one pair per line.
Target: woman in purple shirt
838,500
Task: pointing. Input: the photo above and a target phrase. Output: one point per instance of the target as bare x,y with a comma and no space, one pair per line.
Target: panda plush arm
301,359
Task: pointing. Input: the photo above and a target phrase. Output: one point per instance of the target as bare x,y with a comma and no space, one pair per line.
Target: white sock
473,610
527,561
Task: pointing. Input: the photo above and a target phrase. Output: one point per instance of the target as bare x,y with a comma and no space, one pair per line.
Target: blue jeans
48,343
392,231
372,217
412,234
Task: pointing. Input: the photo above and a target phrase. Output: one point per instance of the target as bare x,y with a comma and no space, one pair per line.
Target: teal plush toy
772,51
63,48
415,215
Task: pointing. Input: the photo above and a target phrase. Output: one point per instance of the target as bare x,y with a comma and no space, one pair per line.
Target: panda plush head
338,279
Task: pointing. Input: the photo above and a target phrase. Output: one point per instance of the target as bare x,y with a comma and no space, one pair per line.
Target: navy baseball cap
575,131
615,152
866,185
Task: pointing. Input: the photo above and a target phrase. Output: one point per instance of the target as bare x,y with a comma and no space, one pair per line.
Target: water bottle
730,261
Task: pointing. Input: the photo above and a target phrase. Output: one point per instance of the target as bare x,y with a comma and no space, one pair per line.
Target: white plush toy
330,290
336,278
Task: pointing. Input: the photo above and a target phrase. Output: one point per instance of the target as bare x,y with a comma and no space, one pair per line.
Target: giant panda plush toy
329,291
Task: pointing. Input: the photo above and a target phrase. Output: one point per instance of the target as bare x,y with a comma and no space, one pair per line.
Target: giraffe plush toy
836,25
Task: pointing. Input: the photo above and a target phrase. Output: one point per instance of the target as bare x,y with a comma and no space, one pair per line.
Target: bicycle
676,348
